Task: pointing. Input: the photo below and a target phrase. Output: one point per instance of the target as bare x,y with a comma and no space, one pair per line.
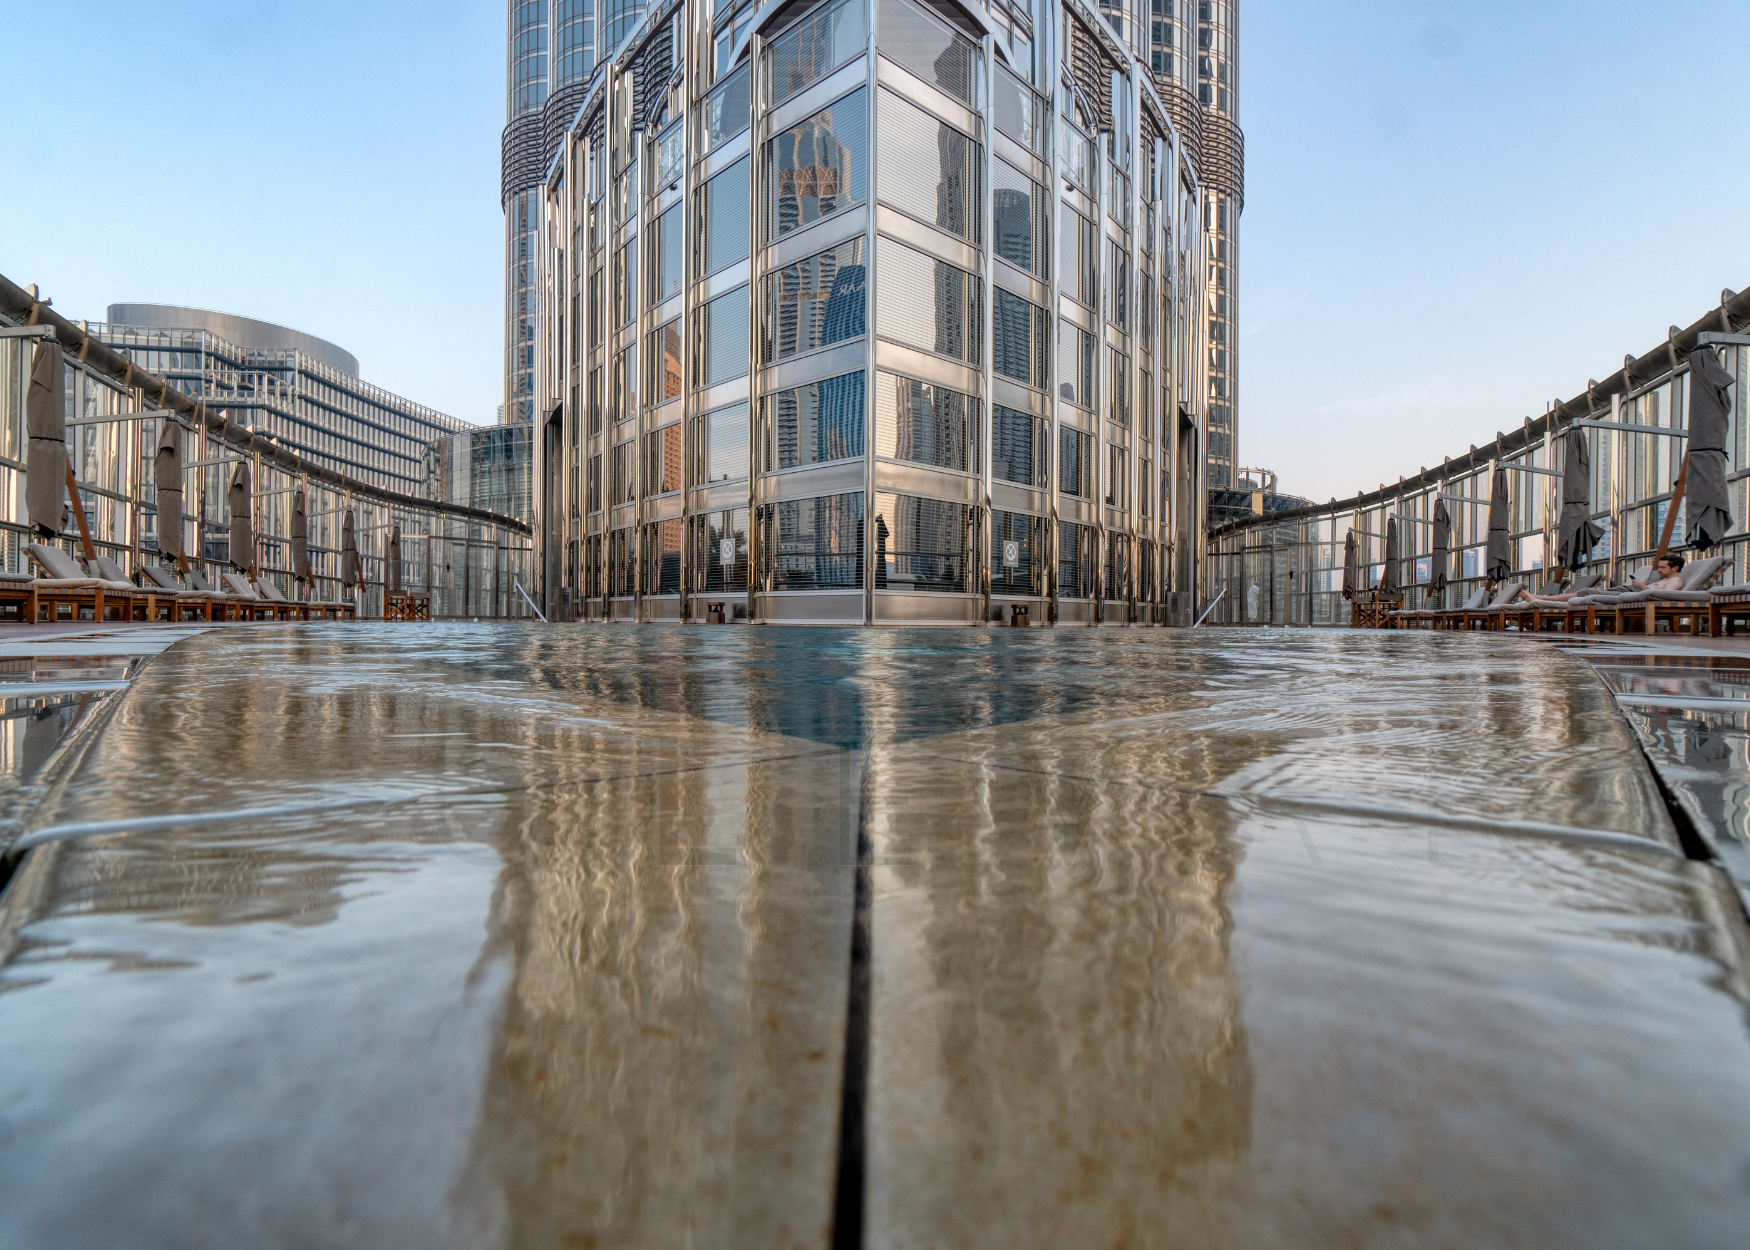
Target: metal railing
1286,568
466,559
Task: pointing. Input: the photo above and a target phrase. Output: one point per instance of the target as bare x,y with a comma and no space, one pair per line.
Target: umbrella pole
1671,512
79,511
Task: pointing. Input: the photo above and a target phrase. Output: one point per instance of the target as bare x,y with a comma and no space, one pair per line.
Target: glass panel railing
669,156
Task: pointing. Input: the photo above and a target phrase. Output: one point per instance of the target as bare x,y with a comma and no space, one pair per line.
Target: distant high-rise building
551,53
1193,50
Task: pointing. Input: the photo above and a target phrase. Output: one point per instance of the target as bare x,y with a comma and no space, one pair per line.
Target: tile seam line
15,912
1695,844
850,1187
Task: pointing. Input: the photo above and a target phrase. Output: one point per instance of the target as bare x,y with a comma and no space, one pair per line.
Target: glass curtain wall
891,262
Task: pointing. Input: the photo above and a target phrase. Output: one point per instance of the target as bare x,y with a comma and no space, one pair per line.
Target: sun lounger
1489,615
284,609
1533,612
1692,603
16,600
1448,618
225,606
172,601
68,586
1596,606
1725,605
252,606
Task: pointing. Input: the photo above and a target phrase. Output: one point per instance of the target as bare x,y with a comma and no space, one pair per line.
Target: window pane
928,303
666,256
662,557
1018,205
728,109
720,551
818,166
1017,447
932,50
664,357
1018,112
815,302
921,544
625,397
928,169
926,424
815,46
662,460
1075,560
723,228
814,423
1026,575
1117,476
1081,257
1075,364
813,544
1118,395
720,442
1075,467
1018,338
626,284
721,347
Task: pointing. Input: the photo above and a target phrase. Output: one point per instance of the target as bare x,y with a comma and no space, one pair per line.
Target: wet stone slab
507,936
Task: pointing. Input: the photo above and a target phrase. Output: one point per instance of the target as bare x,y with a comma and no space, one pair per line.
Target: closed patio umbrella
300,538
167,475
349,551
392,575
1578,534
1707,508
1498,554
1442,547
242,533
1351,565
45,419
1389,580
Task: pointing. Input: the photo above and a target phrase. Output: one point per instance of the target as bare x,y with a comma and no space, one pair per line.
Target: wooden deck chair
65,587
172,600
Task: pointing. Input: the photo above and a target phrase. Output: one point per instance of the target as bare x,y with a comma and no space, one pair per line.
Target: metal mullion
984,528
873,158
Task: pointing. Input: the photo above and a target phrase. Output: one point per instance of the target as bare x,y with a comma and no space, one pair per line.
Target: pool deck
512,935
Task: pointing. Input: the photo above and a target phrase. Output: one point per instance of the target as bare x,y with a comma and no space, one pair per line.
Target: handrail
94,354
529,601
1210,608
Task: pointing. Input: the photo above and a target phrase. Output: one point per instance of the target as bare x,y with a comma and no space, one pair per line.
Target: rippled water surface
520,936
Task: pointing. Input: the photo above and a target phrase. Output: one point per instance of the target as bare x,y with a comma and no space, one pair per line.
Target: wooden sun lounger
1727,604
173,602
251,605
17,602
1587,608
67,586
1692,604
225,607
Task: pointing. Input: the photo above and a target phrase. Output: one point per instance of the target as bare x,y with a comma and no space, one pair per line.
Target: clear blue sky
1455,212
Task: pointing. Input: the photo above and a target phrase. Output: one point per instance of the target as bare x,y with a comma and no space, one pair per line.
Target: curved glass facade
856,404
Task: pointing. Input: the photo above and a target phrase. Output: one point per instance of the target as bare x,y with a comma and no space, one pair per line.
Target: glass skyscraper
551,52
871,311
1192,47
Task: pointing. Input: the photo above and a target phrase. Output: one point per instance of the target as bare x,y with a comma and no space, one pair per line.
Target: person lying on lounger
1669,569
